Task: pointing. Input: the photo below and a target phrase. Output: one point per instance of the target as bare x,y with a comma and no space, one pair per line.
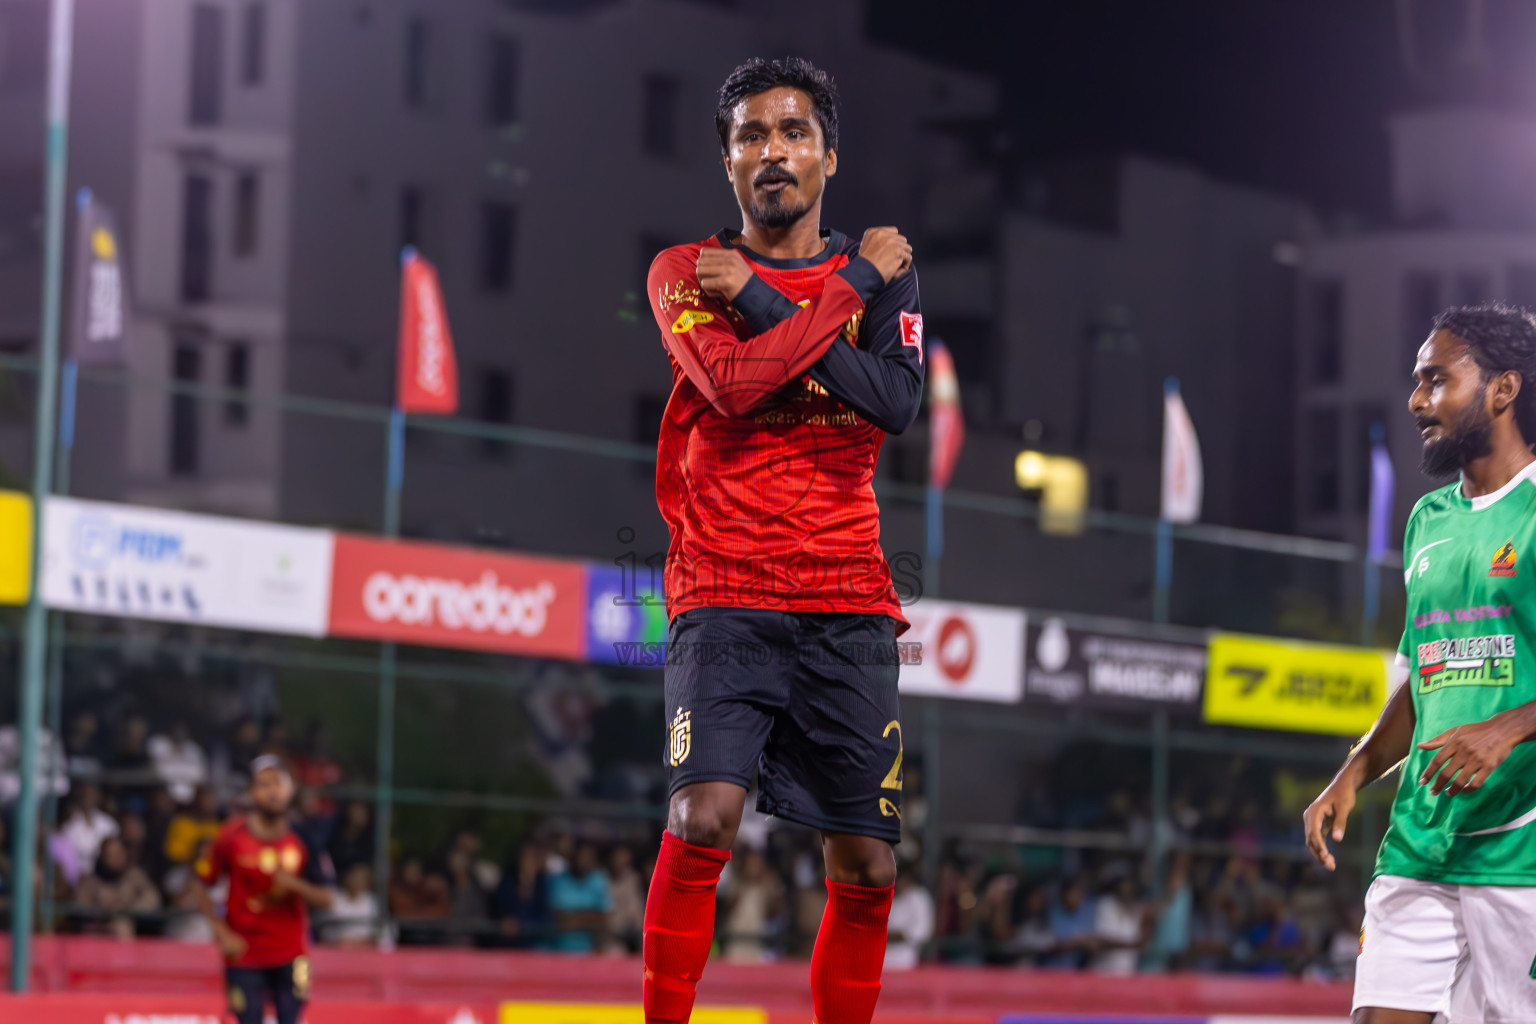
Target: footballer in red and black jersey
780,402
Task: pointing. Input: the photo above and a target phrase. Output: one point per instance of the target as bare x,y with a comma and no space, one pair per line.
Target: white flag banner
1183,476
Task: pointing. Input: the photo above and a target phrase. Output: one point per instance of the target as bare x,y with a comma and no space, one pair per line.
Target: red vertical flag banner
429,374
946,426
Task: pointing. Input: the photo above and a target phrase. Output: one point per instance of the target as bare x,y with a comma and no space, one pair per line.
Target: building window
1322,449
649,412
247,213
413,202
1421,304
1522,285
418,42
186,368
496,396
1472,287
207,82
196,238
501,82
660,116
498,239
253,48
1365,417
1326,323
237,377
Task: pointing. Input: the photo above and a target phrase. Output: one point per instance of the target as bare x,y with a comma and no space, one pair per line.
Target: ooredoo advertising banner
437,595
148,563
969,651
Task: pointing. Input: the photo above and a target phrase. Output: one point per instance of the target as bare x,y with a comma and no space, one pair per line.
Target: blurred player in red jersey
794,350
273,881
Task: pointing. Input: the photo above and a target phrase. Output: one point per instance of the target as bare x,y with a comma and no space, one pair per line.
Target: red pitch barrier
440,977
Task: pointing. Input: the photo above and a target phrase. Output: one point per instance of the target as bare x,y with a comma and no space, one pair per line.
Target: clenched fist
889,250
723,273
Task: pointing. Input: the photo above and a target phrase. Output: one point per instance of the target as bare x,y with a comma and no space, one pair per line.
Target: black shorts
806,699
250,987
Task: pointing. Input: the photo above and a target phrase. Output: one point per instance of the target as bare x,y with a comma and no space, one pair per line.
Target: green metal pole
53,693
35,644
384,810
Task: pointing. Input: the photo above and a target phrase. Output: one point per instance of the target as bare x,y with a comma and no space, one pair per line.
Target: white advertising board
969,651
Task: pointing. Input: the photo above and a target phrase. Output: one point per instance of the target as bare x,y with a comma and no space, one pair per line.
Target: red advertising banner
148,1009
429,374
441,596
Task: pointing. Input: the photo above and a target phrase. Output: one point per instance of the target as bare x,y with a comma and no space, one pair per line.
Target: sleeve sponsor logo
912,332
1466,661
689,319
680,294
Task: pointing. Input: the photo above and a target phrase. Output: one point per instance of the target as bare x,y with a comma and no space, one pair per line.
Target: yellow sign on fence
575,1013
1278,684
15,547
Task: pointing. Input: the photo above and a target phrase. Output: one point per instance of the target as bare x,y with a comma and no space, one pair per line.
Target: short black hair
1500,337
759,75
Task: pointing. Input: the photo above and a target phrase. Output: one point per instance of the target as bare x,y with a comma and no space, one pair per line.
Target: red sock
849,953
679,926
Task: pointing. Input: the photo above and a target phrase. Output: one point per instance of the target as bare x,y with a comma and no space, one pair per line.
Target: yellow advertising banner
576,1013
15,547
1278,684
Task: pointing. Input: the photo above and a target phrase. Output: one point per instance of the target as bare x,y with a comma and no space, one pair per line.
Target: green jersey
1470,647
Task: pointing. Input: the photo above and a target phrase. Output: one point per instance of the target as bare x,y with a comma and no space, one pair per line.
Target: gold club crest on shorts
681,737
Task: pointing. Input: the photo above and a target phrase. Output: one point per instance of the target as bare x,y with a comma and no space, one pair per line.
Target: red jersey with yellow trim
276,929
766,459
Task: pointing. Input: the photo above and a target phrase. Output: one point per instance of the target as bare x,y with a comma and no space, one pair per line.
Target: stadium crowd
144,805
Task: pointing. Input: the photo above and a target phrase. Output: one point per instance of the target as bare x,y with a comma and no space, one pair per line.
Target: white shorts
1465,951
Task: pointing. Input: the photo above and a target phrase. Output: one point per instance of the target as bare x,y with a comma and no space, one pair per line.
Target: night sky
1289,95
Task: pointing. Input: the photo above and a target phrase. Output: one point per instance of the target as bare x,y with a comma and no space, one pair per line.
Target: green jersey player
1450,917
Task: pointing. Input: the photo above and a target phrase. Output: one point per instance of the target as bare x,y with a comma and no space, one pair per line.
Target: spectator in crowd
1073,925
521,902
1118,918
179,762
135,836
186,921
352,840
627,921
85,746
87,825
1212,931
469,898
420,902
911,921
231,759
312,823
312,766
994,918
191,826
580,901
754,902
351,921
1169,944
132,773
114,890
1344,944
1275,941
1033,938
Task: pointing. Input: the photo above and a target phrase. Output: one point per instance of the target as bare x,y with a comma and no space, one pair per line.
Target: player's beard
773,213
1449,453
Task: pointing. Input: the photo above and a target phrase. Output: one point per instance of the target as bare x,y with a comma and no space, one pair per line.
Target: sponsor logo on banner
15,547
178,567
1072,666
969,651
442,596
1276,684
572,1013
624,610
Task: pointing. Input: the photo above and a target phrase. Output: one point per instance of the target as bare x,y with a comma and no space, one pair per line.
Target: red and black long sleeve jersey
780,402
